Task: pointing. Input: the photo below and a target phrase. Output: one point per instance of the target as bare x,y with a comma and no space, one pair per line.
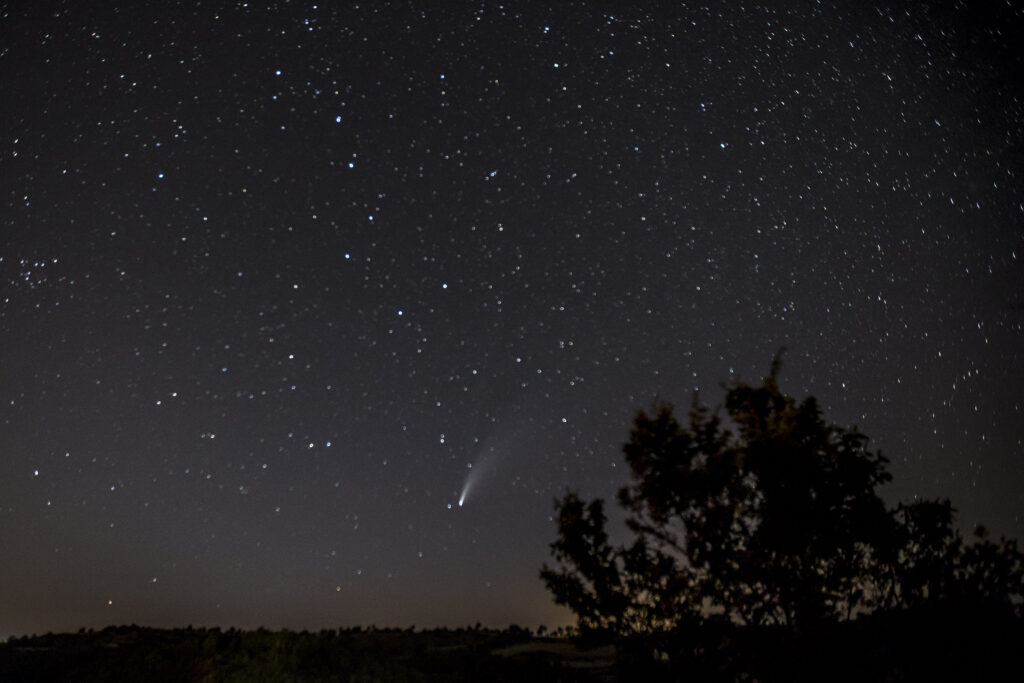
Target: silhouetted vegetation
132,653
760,548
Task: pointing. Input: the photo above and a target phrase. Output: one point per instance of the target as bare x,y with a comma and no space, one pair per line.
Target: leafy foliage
933,564
766,517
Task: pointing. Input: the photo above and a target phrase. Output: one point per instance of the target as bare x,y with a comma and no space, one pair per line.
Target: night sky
282,282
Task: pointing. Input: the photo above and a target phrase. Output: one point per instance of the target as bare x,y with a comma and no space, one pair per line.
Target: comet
467,486
484,465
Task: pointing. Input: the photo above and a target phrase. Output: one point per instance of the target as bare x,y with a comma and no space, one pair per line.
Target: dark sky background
277,279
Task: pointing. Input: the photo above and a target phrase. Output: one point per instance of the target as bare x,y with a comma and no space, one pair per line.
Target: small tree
993,573
933,565
768,517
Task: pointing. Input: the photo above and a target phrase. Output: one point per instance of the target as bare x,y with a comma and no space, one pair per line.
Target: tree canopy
767,515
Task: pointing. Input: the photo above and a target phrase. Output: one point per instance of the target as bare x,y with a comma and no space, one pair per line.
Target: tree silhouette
928,546
933,564
766,517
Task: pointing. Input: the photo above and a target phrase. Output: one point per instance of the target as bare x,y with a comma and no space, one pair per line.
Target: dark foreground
126,653
925,645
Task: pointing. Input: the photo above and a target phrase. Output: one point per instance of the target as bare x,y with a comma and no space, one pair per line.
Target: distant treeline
212,655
